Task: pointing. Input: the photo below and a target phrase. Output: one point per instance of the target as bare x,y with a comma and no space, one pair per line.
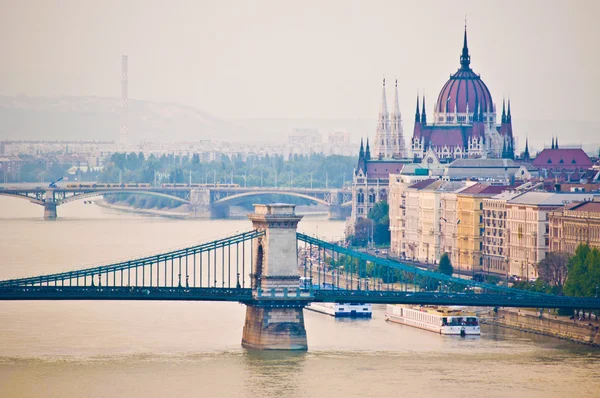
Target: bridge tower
274,320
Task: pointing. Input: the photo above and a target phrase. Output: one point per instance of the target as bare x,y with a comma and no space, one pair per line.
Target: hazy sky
306,59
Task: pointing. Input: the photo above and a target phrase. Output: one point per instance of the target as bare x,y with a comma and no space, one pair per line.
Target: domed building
464,120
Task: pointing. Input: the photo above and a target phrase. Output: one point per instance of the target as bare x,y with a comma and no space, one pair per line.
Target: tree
381,228
553,268
362,232
577,272
445,266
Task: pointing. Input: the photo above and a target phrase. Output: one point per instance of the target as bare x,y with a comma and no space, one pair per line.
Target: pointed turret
508,116
552,147
361,166
503,111
417,113
423,114
556,143
361,153
465,58
367,151
510,150
526,155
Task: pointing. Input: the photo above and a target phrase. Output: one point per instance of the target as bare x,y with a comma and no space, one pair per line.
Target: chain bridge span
262,267
204,200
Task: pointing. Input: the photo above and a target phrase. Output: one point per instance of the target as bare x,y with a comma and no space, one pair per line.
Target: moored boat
442,320
342,310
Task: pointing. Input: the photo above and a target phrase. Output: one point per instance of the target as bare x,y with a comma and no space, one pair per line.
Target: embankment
180,212
579,332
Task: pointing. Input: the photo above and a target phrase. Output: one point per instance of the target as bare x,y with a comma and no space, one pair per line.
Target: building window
372,196
360,196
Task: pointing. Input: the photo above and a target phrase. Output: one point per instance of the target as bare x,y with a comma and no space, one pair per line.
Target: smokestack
124,104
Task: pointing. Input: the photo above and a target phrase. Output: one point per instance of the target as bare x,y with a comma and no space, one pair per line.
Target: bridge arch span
270,192
87,195
18,196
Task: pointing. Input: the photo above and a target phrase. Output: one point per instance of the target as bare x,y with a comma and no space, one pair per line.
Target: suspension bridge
261,268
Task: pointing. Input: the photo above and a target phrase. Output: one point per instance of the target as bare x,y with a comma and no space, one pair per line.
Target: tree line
316,170
575,276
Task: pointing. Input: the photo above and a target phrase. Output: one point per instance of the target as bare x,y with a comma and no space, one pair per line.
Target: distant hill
74,118
95,118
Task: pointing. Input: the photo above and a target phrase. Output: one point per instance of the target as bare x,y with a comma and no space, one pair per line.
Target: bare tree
553,268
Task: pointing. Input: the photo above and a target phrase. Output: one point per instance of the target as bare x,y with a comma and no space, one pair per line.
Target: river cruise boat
343,310
335,309
442,320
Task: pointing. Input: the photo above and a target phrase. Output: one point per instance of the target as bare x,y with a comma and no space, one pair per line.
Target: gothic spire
503,111
526,153
361,153
465,58
508,117
423,114
552,147
367,151
396,101
556,143
383,100
417,113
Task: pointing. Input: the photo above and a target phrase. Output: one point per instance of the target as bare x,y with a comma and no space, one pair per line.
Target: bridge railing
220,263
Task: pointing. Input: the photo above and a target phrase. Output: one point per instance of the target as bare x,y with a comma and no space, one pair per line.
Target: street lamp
372,224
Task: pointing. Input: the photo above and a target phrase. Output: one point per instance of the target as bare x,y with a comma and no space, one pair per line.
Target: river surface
192,349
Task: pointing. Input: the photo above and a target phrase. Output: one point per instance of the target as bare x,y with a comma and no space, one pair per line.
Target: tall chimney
124,105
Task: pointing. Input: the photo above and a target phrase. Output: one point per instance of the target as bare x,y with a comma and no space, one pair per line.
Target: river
192,349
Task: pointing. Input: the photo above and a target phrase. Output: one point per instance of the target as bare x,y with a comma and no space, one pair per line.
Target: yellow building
470,227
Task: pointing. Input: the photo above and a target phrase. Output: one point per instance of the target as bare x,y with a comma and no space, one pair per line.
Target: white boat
442,320
342,310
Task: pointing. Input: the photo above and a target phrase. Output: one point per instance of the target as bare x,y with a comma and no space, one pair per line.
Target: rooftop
550,198
488,163
484,189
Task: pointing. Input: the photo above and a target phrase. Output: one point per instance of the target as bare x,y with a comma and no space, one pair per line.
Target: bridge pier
272,328
337,212
219,211
275,318
50,211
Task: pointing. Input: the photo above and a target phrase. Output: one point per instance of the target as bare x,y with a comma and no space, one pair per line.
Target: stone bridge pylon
275,319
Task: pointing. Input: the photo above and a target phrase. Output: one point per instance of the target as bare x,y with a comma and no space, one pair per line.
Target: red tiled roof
383,169
592,207
423,184
485,189
442,135
567,158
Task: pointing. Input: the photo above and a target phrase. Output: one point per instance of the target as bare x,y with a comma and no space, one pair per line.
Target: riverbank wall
578,331
130,209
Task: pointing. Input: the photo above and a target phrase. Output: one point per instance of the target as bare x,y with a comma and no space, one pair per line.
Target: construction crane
53,183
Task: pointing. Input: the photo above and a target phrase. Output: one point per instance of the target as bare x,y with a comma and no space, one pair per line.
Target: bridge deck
244,295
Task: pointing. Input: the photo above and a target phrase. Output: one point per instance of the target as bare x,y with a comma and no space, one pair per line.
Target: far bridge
204,200
261,268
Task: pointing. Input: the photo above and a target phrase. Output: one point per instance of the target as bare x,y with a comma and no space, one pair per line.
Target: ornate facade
464,119
575,224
